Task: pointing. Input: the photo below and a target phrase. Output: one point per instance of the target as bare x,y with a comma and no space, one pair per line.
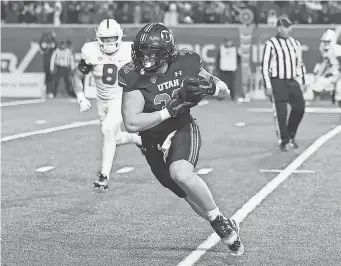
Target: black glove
177,106
194,88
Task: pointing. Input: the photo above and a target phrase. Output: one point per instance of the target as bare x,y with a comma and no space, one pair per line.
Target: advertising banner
24,56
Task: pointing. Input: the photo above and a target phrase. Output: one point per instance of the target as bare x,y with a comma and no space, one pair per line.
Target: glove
177,106
195,88
84,103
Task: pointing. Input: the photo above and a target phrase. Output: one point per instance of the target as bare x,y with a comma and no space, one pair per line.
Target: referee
62,62
282,64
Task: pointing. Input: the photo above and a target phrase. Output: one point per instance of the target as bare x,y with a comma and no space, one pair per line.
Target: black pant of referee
288,91
62,72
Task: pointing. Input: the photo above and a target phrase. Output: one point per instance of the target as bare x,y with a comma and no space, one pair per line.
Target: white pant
328,84
110,115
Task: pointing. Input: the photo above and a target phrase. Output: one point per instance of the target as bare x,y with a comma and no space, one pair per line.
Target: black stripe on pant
288,91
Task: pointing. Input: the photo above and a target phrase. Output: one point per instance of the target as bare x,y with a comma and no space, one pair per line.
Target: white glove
84,103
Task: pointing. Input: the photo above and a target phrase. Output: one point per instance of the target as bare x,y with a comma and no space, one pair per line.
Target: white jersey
105,68
332,56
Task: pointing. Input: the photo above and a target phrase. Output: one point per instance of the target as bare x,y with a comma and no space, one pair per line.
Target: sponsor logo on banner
14,81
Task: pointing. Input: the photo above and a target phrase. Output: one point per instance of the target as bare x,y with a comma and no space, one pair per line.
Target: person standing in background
47,44
282,64
62,64
171,17
227,64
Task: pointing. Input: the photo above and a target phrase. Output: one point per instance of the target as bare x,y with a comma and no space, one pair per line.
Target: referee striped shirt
62,58
282,59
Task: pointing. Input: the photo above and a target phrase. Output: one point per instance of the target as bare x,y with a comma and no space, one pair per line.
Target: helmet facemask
326,45
149,58
109,45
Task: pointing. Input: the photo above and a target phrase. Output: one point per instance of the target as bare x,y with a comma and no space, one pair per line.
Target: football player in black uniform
160,86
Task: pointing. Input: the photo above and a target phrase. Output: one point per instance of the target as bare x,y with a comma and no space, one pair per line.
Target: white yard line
49,130
257,199
314,110
39,122
14,103
279,171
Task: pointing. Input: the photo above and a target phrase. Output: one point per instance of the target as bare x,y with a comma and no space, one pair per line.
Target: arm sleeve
84,65
266,64
301,70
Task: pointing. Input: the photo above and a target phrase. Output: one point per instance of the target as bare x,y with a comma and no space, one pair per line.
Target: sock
108,154
213,214
124,137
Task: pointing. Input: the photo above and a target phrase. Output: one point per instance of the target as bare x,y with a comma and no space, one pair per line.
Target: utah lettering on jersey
168,84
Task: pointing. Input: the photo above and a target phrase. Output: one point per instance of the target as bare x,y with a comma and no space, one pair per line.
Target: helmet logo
166,36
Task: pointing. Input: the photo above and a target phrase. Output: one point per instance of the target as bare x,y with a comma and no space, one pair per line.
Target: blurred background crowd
171,13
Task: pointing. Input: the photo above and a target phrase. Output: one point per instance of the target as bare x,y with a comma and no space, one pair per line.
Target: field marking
39,122
125,170
257,199
204,171
314,110
49,130
240,124
45,169
293,172
14,103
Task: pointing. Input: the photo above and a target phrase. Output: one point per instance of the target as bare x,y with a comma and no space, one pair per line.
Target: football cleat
102,182
237,248
222,226
284,146
293,143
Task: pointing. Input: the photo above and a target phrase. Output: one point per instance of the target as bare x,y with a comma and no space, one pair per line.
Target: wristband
219,85
164,114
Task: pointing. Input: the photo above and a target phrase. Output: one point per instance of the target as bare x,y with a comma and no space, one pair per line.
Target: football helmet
109,36
153,47
327,39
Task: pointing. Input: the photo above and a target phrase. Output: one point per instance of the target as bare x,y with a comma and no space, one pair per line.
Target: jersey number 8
109,74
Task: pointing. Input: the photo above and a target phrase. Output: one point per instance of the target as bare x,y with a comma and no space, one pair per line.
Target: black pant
229,77
62,72
48,81
288,91
185,145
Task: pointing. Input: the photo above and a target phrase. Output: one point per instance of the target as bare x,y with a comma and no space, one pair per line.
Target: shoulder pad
89,50
128,77
190,59
128,67
183,52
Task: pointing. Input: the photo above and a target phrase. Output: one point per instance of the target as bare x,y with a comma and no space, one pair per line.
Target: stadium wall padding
20,51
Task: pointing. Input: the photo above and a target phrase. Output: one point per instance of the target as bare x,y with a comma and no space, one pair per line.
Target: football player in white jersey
327,73
104,58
